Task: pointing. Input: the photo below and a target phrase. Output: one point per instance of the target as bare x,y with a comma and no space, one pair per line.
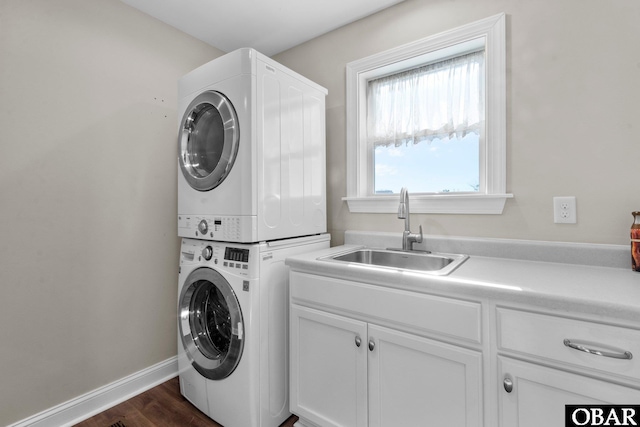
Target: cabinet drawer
544,336
409,311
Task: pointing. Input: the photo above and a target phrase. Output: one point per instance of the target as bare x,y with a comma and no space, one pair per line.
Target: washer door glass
211,325
208,140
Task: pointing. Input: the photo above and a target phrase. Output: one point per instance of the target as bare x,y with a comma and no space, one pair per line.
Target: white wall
89,252
573,125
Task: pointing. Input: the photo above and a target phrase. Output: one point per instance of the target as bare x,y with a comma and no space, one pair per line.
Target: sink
432,263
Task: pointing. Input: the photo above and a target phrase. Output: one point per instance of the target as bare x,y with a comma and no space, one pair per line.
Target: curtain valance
439,100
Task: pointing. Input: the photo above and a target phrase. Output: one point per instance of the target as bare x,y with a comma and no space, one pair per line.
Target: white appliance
251,151
233,328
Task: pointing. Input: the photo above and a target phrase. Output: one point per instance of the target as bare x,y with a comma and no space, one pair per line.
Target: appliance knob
203,227
207,253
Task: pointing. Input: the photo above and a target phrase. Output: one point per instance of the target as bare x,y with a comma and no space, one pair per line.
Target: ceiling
269,26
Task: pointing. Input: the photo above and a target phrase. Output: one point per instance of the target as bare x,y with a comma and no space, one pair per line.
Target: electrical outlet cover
564,210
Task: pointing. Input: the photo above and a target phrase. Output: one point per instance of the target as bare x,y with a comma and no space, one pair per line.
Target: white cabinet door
539,394
414,381
328,368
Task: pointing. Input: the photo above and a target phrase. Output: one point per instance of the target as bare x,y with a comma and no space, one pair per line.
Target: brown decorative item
635,242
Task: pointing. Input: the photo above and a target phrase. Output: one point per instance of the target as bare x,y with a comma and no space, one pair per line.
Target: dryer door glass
208,140
211,324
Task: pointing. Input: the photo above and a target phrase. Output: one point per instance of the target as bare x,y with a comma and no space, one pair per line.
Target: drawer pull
358,341
623,355
372,345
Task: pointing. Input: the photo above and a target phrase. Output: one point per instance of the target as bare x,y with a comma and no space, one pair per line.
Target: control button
207,253
203,227
245,267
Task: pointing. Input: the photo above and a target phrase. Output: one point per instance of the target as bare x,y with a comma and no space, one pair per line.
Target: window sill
492,204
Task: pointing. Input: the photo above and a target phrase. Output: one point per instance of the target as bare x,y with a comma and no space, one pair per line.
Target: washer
233,328
251,151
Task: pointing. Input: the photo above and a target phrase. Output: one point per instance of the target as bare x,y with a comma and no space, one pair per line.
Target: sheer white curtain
439,100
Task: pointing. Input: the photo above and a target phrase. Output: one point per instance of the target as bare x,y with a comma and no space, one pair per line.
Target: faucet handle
419,237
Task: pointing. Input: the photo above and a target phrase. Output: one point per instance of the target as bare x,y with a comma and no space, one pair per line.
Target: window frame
490,33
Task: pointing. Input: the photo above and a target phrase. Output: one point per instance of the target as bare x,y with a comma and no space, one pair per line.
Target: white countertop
604,292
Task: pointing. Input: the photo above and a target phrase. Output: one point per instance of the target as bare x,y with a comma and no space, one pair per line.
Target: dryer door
211,325
208,140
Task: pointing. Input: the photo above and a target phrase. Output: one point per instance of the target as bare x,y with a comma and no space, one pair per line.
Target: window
424,126
430,116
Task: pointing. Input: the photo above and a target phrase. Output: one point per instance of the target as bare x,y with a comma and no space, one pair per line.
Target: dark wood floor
161,406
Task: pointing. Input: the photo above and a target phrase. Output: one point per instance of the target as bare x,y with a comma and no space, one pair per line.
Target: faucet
408,238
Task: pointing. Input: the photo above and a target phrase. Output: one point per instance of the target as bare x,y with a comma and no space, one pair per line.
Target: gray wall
573,74
89,253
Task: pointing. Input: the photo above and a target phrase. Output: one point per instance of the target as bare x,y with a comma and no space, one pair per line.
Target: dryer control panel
221,228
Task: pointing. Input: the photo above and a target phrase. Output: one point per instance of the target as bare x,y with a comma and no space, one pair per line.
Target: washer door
208,140
211,325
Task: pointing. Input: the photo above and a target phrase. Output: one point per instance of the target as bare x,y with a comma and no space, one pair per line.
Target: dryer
233,328
251,151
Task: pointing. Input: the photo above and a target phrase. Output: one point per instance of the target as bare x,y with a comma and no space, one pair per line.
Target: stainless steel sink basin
432,263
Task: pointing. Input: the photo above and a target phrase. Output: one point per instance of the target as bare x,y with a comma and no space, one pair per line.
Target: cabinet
348,371
328,363
534,391
415,381
460,351
539,394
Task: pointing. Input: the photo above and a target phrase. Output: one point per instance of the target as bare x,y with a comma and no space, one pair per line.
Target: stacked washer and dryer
251,192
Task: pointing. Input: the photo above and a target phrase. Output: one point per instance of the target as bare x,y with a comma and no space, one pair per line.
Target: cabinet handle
358,341
623,355
508,385
372,345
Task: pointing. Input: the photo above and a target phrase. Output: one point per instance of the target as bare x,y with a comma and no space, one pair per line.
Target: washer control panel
232,257
236,258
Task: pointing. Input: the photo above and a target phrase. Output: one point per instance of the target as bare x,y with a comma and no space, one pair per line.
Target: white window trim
491,33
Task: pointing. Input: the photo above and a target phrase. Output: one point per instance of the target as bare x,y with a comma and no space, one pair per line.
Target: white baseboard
82,407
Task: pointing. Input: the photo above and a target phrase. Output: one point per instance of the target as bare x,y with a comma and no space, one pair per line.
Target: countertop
607,293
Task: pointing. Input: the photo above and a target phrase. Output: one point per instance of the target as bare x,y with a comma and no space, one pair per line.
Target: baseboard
82,407
303,423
